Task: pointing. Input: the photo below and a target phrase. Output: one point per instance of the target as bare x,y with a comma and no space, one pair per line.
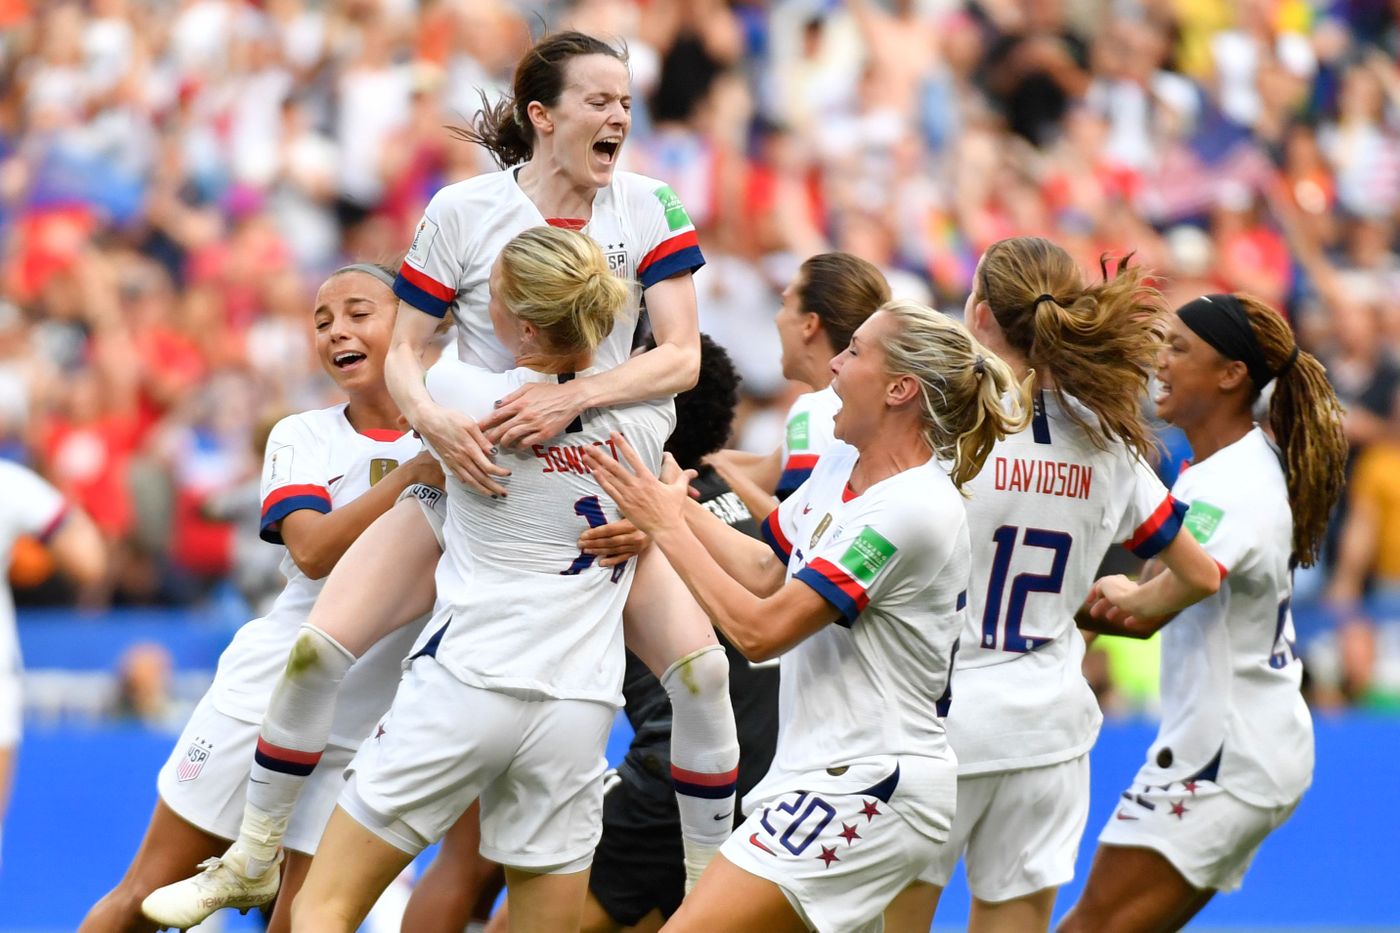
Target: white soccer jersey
810,432
28,506
894,562
315,460
639,222
519,608
1231,707
1043,512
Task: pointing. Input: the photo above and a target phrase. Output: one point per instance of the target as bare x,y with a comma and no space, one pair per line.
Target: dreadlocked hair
1097,343
1306,417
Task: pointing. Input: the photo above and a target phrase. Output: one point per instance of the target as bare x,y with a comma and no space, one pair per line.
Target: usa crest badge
193,763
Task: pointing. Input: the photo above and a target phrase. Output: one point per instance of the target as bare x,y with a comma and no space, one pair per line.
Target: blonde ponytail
969,396
559,281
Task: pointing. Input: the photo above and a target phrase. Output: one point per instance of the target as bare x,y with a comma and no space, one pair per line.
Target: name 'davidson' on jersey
1047,477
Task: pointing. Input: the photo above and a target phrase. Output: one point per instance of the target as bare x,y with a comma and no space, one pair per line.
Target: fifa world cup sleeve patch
867,555
423,239
676,217
1202,520
280,465
799,431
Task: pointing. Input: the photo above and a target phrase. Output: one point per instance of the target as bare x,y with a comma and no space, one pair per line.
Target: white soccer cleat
222,882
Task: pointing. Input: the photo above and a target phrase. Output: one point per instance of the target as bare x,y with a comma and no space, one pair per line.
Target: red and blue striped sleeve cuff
772,532
52,525
681,253
836,587
423,292
285,500
795,473
1159,530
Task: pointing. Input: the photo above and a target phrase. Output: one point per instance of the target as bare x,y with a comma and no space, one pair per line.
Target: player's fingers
515,434
620,528
634,460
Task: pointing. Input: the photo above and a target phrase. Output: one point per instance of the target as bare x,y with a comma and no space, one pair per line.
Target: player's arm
318,539
1180,575
454,435
534,413
744,558
753,477
78,549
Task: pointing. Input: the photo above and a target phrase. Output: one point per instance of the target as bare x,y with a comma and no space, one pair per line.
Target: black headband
1222,322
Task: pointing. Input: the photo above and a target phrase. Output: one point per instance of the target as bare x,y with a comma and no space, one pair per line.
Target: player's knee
315,651
702,673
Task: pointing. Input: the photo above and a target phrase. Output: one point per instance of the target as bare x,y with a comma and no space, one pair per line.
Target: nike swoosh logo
754,840
723,816
256,781
806,509
1123,816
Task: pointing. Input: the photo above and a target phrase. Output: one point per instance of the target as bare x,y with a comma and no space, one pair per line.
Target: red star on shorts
1190,787
870,811
1179,810
380,731
848,833
828,855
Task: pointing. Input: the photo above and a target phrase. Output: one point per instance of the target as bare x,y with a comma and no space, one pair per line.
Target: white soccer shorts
1017,831
11,708
205,779
536,765
1207,833
838,858
433,502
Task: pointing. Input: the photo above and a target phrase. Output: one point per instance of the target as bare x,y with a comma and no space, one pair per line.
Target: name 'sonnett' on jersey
315,460
639,223
512,572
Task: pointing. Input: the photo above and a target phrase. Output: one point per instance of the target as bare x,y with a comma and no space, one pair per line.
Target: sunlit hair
1097,343
842,291
969,396
503,128
559,281
1306,417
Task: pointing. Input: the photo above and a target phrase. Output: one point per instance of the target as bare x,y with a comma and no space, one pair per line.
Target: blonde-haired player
511,694
862,596
1050,503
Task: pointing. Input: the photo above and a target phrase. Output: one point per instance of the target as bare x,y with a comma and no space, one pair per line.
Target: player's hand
651,504
1108,596
614,543
463,447
424,468
532,414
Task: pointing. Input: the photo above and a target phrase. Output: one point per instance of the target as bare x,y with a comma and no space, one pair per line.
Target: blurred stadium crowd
177,175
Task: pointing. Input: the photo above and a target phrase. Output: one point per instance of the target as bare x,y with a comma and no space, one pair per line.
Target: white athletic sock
294,734
704,752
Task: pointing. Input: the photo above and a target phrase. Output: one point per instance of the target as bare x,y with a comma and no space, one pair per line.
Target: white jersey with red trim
519,608
315,460
810,432
1043,512
28,506
855,697
1231,707
639,223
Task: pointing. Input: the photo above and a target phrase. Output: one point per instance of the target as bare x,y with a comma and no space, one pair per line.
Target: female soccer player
1234,752
326,475
832,295
1042,516
862,596
512,695
565,126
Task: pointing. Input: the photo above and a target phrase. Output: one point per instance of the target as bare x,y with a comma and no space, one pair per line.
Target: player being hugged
862,593
327,475
1234,752
832,295
511,693
1051,501
560,132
